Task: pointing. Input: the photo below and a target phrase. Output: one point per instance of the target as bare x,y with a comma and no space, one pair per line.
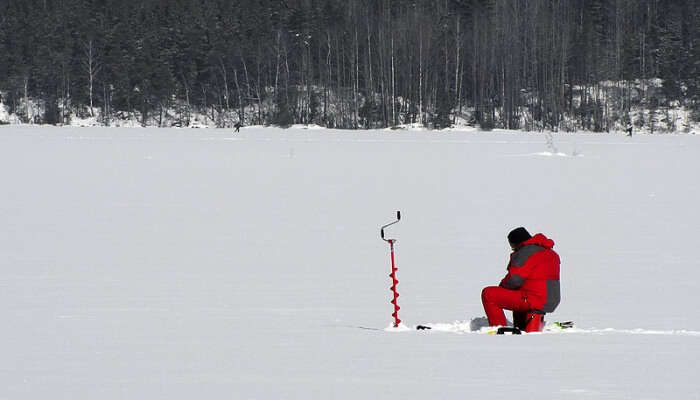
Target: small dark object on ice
422,327
565,325
513,331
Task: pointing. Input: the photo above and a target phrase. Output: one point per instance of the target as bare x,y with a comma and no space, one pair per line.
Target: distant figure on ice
238,126
531,287
629,130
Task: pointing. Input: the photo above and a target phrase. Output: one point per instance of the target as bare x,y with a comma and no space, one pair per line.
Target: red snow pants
496,299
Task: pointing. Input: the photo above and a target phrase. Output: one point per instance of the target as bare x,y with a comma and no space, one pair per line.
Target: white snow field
207,264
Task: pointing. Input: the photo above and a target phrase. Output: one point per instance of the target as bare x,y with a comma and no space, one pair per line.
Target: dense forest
517,64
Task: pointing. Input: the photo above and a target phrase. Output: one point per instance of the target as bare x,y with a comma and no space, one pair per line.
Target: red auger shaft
394,281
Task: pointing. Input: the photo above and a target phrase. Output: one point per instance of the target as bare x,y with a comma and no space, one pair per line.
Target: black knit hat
518,235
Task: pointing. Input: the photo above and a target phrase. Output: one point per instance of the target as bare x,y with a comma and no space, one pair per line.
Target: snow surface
181,264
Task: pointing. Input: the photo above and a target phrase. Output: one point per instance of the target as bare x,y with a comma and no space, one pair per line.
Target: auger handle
381,231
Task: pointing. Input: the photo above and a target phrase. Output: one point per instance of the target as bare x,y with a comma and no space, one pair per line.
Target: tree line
518,64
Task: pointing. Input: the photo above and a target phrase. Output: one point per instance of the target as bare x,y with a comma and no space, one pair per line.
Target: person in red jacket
531,287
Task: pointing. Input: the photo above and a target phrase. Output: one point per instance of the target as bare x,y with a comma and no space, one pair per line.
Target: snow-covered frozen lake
182,264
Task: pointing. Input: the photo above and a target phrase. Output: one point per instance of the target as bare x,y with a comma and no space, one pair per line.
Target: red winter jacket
534,270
